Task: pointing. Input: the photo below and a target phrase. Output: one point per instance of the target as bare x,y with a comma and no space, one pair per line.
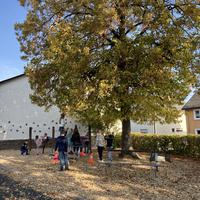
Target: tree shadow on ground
11,189
108,176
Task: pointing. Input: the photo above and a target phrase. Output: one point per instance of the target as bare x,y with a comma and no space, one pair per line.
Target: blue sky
10,62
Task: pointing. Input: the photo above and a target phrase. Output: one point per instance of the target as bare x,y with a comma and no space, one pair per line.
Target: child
100,145
109,140
62,123
38,143
45,140
61,147
24,149
69,137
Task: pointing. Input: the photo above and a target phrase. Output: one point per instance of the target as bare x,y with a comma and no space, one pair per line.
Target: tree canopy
124,59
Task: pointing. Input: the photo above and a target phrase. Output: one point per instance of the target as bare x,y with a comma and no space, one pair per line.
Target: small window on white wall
197,114
197,131
143,131
179,130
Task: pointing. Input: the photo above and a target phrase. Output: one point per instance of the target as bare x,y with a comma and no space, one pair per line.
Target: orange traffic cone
55,158
82,153
91,159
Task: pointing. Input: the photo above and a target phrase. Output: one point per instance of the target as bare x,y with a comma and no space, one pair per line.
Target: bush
183,145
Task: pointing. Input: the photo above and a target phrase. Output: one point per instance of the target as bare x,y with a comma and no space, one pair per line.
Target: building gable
193,103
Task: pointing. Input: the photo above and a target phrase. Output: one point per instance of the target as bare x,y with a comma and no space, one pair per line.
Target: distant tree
131,59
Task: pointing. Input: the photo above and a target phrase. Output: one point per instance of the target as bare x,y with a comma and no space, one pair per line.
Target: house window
197,131
143,131
197,114
173,130
179,130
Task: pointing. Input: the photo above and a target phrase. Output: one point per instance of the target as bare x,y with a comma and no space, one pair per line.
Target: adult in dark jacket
61,147
76,140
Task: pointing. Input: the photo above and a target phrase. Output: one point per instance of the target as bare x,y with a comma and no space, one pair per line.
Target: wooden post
53,132
30,138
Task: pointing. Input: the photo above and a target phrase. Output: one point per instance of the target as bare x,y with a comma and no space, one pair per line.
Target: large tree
126,59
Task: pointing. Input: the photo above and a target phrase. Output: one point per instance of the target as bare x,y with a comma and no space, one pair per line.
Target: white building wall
172,128
17,113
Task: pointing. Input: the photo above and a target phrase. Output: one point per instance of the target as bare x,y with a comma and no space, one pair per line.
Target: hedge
182,145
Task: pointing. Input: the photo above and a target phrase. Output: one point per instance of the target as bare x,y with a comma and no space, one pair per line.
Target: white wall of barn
17,113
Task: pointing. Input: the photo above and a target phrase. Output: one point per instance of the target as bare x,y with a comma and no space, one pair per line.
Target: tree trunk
126,129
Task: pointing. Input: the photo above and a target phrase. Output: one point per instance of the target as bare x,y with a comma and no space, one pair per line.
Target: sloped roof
193,103
9,79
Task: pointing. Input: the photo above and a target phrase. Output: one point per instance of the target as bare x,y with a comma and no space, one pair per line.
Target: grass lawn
35,177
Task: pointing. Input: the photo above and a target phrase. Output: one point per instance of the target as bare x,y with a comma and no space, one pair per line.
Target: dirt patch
35,177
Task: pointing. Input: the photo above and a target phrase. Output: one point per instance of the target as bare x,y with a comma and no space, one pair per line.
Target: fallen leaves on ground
126,179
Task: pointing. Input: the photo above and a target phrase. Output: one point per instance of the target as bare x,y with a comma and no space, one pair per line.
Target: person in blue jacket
61,147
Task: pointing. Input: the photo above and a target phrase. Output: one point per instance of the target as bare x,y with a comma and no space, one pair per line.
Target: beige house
192,112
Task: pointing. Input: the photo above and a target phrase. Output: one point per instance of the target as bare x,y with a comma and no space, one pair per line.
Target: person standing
38,142
100,145
61,146
69,139
76,140
45,140
109,140
85,143
62,123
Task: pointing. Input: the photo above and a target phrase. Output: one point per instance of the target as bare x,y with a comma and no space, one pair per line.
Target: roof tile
194,102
